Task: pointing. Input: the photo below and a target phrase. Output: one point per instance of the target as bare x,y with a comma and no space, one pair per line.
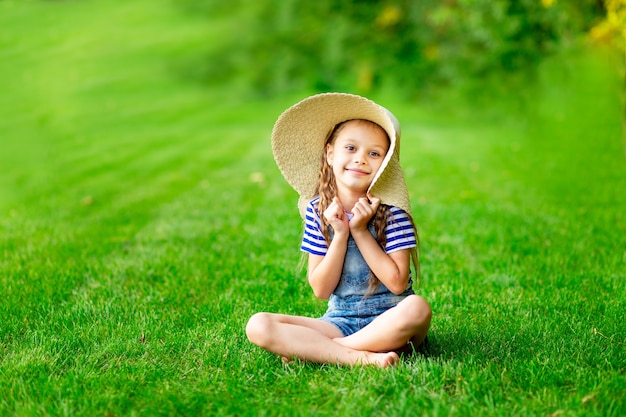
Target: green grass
143,220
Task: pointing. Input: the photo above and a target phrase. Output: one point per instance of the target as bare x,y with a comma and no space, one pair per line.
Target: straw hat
299,136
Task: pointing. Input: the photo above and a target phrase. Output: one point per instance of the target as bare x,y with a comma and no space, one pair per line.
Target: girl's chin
356,186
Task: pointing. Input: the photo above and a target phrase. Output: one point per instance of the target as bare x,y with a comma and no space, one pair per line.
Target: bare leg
408,321
310,340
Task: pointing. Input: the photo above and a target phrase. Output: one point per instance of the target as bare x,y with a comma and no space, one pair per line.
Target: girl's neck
349,198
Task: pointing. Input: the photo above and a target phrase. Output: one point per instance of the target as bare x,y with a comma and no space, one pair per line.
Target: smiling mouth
357,172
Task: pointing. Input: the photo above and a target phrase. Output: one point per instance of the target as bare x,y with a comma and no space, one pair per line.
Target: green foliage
408,45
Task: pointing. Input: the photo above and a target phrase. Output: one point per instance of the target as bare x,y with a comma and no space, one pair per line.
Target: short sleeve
313,240
400,231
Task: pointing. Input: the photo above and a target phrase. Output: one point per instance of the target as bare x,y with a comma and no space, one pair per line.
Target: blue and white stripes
400,232
313,240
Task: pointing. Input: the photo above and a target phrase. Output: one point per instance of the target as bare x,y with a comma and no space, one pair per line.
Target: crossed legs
318,341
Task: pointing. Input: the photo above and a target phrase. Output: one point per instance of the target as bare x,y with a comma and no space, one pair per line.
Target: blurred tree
612,30
357,45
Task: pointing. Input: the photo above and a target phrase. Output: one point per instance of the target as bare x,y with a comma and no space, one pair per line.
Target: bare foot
383,360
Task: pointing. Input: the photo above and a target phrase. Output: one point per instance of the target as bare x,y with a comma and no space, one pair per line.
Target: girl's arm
325,271
391,269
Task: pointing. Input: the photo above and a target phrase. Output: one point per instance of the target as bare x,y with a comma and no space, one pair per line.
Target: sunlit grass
143,220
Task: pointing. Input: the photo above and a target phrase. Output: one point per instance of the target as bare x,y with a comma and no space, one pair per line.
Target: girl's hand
363,211
336,216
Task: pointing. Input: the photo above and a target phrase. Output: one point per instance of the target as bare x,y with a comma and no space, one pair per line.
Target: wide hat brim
298,143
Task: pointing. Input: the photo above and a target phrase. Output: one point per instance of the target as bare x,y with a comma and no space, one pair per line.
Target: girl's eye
350,148
374,154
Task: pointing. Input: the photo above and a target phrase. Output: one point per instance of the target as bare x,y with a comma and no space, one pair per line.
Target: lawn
143,220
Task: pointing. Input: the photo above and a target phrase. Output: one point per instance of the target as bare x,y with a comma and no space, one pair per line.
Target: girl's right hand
336,216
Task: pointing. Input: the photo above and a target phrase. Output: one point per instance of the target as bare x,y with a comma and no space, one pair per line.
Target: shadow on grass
478,345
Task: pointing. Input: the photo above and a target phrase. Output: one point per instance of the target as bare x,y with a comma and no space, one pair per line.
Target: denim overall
349,308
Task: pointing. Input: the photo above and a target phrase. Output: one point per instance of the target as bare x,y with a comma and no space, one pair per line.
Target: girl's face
356,154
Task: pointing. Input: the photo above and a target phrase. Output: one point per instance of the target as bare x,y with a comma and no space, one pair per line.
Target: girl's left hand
363,211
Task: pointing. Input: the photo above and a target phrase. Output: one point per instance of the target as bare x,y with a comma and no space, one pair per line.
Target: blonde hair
326,189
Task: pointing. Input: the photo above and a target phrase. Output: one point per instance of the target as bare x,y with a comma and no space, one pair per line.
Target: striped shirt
399,230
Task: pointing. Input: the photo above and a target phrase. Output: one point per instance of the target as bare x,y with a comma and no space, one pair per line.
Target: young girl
341,153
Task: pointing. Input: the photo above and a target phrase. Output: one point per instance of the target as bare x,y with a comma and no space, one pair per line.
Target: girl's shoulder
395,210
311,207
312,212
397,215
400,230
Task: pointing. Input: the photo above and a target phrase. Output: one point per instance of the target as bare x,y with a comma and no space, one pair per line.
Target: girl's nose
359,158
